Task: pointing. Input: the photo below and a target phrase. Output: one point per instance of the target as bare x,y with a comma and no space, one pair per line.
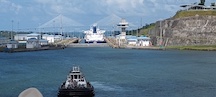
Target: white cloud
61,7
88,11
6,6
94,6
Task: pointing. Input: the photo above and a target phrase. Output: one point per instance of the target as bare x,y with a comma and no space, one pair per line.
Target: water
113,72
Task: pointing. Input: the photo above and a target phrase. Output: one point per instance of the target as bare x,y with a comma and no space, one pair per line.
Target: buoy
30,92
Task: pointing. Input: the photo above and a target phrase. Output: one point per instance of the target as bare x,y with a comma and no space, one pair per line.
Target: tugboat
76,85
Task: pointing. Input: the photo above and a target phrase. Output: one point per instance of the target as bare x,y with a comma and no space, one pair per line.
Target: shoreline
30,49
193,48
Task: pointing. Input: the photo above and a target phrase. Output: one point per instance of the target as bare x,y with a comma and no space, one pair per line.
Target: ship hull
95,41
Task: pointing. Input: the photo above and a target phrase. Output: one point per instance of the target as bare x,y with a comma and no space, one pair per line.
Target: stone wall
195,30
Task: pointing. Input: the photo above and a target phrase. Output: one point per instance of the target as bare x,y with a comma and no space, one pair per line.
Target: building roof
196,6
43,40
143,38
131,37
32,39
13,42
21,34
33,34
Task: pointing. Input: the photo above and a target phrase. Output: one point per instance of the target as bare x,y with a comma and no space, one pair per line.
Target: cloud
89,11
94,6
61,7
7,6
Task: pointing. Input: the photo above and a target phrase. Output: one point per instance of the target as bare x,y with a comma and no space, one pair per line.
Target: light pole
11,37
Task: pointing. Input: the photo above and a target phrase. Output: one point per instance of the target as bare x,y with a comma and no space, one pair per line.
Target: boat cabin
75,79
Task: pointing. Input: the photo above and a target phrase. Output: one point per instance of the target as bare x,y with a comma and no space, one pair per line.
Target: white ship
94,35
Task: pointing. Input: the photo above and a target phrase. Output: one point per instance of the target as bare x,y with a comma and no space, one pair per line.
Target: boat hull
78,92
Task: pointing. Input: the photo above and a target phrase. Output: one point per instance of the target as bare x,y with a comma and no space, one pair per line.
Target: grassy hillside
145,29
181,14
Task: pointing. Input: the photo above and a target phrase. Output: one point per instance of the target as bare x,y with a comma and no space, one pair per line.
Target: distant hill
184,28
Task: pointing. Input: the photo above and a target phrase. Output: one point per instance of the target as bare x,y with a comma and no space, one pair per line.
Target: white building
123,25
131,40
33,43
34,35
20,37
12,44
52,38
143,41
43,42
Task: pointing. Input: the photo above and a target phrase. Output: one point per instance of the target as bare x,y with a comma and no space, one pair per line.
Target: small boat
76,85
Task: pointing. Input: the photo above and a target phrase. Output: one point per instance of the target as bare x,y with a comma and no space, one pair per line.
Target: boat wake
106,87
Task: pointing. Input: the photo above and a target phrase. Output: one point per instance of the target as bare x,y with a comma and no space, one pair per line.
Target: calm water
113,72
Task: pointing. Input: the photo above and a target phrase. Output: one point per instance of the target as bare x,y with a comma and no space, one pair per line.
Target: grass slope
181,14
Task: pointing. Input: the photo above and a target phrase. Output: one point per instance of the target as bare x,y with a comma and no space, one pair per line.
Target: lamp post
11,37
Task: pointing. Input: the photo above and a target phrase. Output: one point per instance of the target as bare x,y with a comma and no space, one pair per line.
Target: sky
30,14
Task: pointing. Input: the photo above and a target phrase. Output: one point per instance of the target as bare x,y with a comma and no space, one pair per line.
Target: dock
111,42
34,49
67,42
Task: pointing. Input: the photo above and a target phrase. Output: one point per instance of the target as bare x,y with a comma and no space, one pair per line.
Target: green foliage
142,31
196,47
145,29
181,14
6,34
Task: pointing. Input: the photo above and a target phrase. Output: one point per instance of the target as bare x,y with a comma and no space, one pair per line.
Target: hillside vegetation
145,29
181,14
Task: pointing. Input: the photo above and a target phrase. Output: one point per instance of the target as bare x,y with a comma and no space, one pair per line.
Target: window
75,76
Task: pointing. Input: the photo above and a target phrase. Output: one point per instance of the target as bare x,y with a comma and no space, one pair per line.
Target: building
33,43
3,41
20,37
43,42
12,44
131,40
143,41
34,35
52,38
194,7
123,25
